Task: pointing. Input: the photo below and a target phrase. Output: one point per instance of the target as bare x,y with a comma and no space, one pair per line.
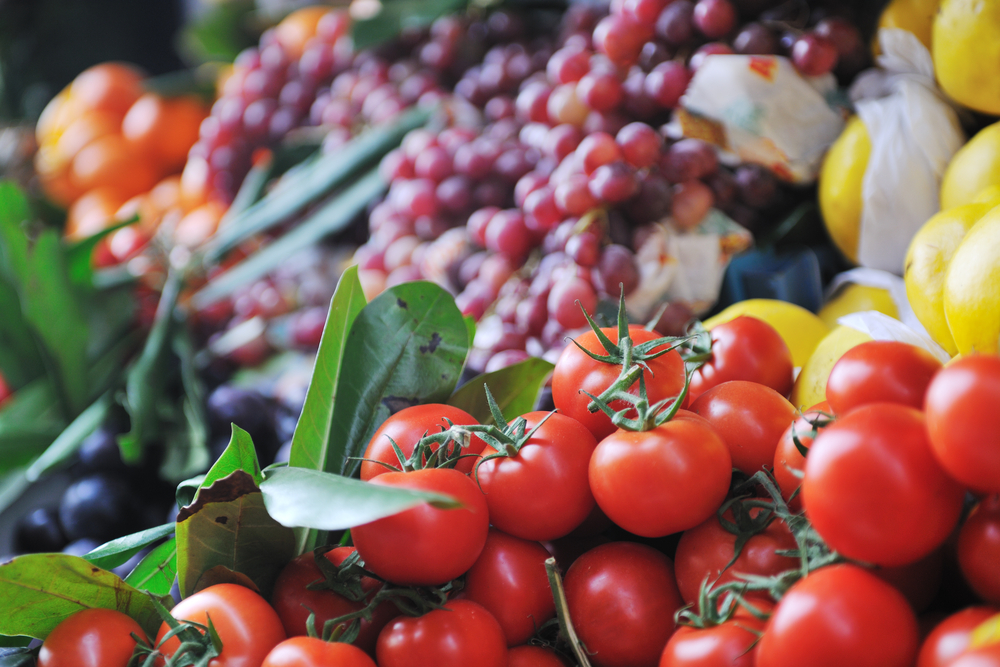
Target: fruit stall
500,333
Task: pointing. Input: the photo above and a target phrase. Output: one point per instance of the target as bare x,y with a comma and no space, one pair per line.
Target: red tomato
919,582
731,644
462,634
541,493
510,582
313,652
951,636
576,373
881,371
787,458
988,656
5,390
533,656
247,625
979,549
622,598
426,546
406,427
750,418
873,489
658,482
963,422
91,638
745,348
294,600
840,615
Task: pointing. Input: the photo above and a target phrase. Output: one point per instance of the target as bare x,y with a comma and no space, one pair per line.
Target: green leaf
187,445
42,590
398,16
219,33
79,255
406,347
515,389
188,489
29,422
12,484
238,455
64,446
327,501
470,324
156,572
117,552
20,361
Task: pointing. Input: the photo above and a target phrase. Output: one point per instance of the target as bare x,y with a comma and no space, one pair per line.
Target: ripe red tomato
881,371
873,489
533,656
963,422
294,600
646,481
788,460
622,598
406,427
840,615
576,373
988,656
745,348
247,625
979,549
5,390
541,493
731,644
313,652
509,581
426,546
91,638
750,418
950,638
460,635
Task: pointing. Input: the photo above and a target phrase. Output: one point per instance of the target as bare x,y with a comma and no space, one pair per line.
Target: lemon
966,49
927,261
972,288
917,16
840,186
975,167
988,195
855,298
801,330
810,386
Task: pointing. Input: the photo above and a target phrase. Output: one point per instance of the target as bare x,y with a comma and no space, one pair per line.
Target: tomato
247,625
542,492
461,634
313,652
881,371
963,422
658,482
988,656
576,373
705,550
750,418
91,638
567,549
294,600
745,348
840,615
951,636
5,390
919,581
873,489
533,656
788,459
406,427
979,549
510,582
731,644
622,598
426,546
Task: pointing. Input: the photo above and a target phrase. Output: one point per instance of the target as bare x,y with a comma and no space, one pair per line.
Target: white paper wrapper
882,327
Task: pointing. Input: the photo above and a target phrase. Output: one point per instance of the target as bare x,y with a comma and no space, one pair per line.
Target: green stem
562,612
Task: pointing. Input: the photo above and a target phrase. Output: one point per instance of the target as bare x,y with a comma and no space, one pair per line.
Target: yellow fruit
966,50
855,298
810,386
975,167
972,288
988,195
840,186
927,262
801,330
917,16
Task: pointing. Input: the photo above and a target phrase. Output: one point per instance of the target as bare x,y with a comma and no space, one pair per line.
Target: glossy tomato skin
881,371
645,481
951,636
873,489
313,652
750,417
840,615
247,625
91,638
576,373
788,459
533,656
542,492
731,644
406,427
979,549
460,635
426,546
745,348
988,656
509,581
963,422
622,598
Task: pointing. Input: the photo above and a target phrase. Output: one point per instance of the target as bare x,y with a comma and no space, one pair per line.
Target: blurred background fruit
840,183
801,330
856,298
975,167
972,289
967,32
917,16
810,385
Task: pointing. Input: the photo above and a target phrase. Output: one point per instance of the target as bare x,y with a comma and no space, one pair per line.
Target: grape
283,121
564,106
555,241
616,269
620,38
757,186
675,25
452,138
644,11
609,123
496,270
756,39
814,55
417,197
417,141
507,233
476,159
541,211
399,252
395,166
474,299
477,224
562,304
601,91
447,29
337,113
455,193
433,163
637,103
653,201
499,107
689,159
505,358
562,140
468,270
667,82
723,186
654,53
532,313
640,144
257,119
692,201
513,164
366,257
416,85
705,50
429,227
614,183
598,149
674,319
532,102
851,50
714,18
573,196
316,64
584,248
526,185
567,65
491,192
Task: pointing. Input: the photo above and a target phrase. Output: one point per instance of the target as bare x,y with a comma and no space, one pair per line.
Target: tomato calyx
343,579
450,443
507,438
199,644
817,420
647,416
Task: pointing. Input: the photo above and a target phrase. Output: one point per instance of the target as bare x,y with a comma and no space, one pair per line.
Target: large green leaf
395,17
79,255
156,572
29,422
20,361
64,446
117,552
406,347
238,455
187,443
515,389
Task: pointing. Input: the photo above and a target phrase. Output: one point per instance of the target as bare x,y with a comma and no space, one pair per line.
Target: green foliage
515,389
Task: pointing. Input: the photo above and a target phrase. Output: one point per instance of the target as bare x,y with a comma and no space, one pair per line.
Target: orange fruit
298,28
166,194
111,87
163,129
198,226
92,212
195,184
85,129
109,161
57,114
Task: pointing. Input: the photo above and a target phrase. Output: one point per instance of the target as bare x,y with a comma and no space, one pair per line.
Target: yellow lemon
801,330
855,298
975,167
810,386
927,262
840,186
972,288
988,195
966,49
917,16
